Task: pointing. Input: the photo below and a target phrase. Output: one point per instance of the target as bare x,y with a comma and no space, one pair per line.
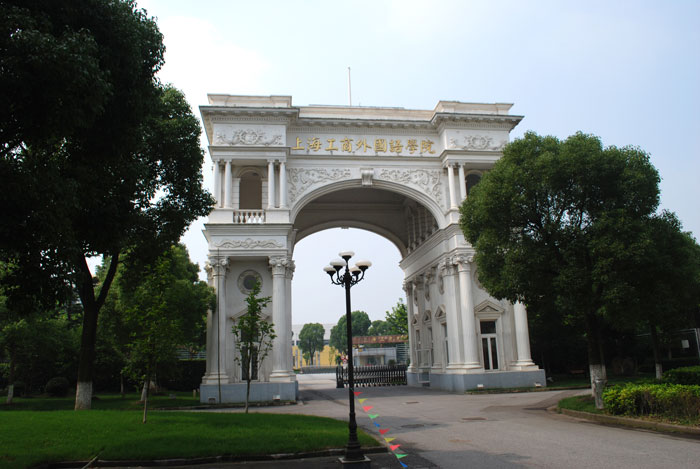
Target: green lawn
102,402
30,437
580,403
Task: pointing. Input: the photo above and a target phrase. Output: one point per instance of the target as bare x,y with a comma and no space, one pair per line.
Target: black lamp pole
351,276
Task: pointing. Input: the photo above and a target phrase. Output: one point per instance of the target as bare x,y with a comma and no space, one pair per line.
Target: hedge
686,375
668,400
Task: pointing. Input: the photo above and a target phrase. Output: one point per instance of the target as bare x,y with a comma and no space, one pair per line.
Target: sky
626,71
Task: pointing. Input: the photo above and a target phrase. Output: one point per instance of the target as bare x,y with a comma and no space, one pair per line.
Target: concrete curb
208,460
631,422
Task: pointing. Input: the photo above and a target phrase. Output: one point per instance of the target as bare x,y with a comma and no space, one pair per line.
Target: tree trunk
11,385
147,386
655,349
247,390
596,363
91,309
121,384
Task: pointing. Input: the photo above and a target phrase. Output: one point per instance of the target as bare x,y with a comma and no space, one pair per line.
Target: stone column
217,183
283,185
289,274
454,325
451,187
466,298
522,336
227,185
270,184
280,345
462,184
408,288
216,360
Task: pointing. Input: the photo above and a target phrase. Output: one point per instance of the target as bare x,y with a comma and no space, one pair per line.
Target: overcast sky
627,71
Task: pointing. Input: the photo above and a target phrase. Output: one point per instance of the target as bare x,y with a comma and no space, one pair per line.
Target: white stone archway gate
282,172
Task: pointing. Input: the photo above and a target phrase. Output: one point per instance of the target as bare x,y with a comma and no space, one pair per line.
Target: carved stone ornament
249,137
216,265
249,243
300,180
247,279
477,142
367,175
427,180
280,264
463,261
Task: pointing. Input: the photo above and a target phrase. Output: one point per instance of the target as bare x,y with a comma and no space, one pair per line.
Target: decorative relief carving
426,179
301,179
249,137
249,243
477,142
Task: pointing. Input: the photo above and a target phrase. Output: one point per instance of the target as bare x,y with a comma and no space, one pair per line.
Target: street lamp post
351,276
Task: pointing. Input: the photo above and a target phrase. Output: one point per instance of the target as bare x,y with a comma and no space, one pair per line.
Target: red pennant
367,408
357,393
393,447
383,431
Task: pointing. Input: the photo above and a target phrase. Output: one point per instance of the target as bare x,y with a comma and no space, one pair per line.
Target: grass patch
103,402
30,438
580,403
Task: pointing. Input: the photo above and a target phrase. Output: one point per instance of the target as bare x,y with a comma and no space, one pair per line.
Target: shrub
57,387
685,375
668,400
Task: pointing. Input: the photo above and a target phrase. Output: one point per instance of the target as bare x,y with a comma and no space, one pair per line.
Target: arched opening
472,180
250,191
316,300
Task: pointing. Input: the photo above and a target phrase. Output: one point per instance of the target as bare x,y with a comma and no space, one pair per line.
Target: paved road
439,429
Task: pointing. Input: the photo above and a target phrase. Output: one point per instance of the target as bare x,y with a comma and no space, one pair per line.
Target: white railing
248,216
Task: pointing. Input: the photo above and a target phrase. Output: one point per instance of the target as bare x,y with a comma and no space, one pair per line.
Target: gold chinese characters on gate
379,145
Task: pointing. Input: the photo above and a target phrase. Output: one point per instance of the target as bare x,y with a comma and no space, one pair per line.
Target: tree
115,169
162,303
397,319
339,335
311,340
378,327
557,226
667,283
254,336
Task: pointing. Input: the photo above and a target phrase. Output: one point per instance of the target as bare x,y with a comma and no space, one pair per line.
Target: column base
215,378
282,376
524,365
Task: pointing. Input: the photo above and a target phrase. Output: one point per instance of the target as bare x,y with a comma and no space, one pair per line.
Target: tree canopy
339,336
311,340
97,156
397,319
557,225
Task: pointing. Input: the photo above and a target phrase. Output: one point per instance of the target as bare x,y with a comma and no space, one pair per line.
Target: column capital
446,267
463,262
216,266
280,264
291,267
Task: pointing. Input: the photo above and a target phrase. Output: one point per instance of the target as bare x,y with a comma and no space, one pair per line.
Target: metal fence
378,375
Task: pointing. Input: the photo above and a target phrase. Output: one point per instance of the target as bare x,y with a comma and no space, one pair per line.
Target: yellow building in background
325,357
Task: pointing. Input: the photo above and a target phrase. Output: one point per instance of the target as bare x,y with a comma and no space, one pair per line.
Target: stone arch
428,202
353,224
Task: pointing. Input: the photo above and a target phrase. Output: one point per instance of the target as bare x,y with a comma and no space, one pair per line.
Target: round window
247,280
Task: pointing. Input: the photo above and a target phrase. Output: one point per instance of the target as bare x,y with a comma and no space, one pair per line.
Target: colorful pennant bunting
367,408
400,455
390,439
402,464
373,416
362,400
393,447
357,393
377,425
383,431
